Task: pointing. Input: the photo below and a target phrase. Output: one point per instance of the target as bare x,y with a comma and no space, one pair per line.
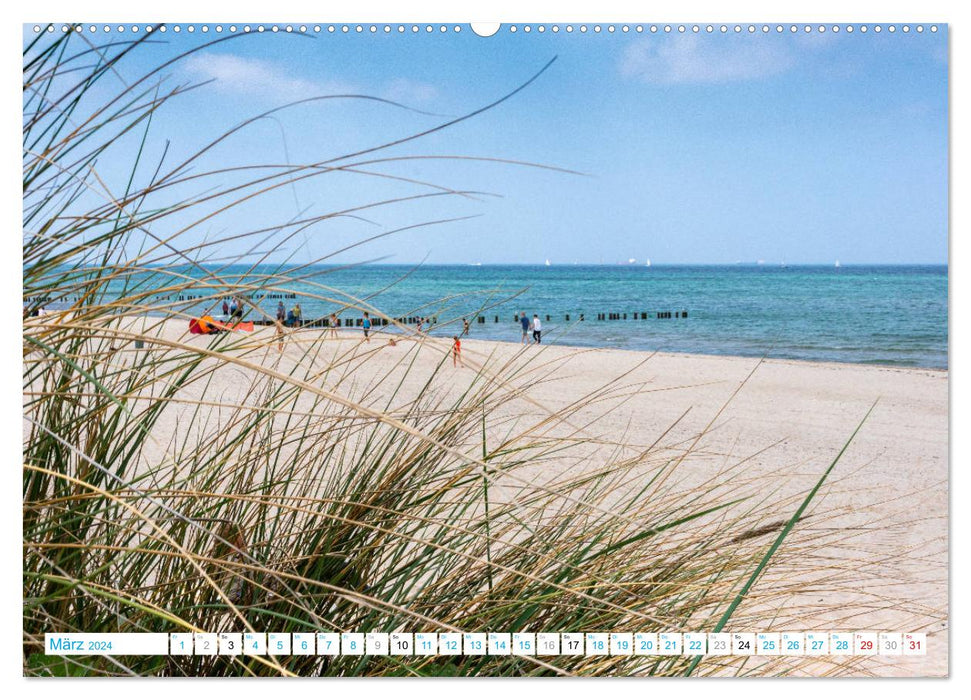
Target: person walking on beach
281,313
367,327
465,326
456,351
279,334
332,323
524,322
537,328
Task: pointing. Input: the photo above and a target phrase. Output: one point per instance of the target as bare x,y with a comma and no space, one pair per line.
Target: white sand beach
780,422
766,430
268,474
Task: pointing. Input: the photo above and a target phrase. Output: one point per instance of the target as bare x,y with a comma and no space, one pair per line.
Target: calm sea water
894,315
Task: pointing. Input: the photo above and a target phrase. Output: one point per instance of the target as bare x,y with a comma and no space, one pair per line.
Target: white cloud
252,76
696,59
256,77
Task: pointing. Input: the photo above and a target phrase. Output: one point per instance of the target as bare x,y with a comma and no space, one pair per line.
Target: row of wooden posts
353,322
614,316
181,297
413,320
193,297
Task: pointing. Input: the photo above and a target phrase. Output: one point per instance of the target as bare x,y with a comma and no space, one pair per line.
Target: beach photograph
519,350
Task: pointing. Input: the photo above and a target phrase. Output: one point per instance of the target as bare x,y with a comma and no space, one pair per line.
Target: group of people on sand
367,324
233,308
292,318
289,319
535,327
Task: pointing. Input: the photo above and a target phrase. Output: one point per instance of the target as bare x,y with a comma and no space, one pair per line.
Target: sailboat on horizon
648,263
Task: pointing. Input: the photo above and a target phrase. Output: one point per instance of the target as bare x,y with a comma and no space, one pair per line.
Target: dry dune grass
221,483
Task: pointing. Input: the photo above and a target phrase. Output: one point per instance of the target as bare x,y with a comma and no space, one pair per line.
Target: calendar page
514,349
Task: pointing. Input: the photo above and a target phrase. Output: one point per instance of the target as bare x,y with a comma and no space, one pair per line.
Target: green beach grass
325,491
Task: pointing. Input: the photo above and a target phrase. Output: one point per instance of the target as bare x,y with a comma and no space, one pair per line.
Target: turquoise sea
893,315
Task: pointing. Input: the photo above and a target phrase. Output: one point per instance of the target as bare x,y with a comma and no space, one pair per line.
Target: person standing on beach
332,323
281,313
233,308
279,334
465,326
297,314
524,322
367,327
537,328
225,308
456,351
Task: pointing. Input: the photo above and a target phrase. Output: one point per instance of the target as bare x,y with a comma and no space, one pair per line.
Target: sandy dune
784,422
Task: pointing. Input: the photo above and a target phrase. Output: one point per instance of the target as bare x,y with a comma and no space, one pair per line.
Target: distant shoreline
444,333
380,335
888,315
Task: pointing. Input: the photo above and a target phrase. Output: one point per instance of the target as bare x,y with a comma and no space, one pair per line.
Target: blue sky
694,148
